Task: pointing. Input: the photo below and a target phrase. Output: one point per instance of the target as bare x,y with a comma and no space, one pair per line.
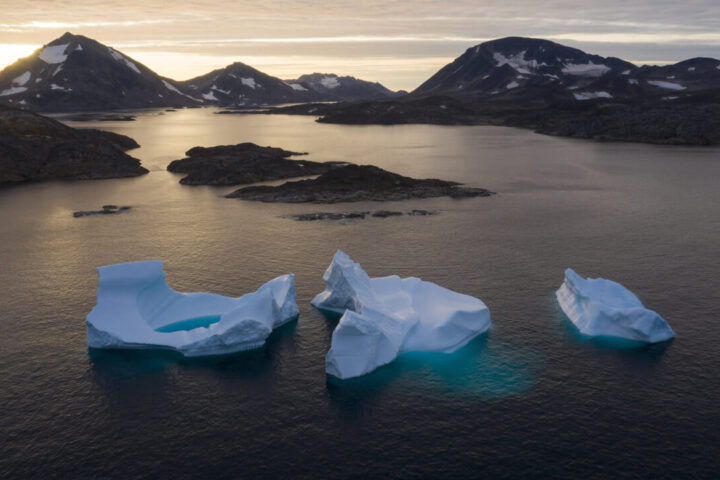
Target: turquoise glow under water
190,324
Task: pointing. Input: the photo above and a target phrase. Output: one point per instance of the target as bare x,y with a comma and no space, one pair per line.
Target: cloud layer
368,38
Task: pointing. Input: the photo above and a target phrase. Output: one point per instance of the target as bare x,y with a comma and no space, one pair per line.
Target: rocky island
106,210
357,183
33,147
243,163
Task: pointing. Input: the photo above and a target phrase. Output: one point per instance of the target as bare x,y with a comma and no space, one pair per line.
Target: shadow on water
130,365
331,319
479,369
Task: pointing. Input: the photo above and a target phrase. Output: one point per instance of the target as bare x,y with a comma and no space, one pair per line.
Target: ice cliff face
600,307
384,317
136,308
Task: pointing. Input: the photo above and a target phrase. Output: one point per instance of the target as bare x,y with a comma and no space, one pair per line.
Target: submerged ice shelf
384,317
600,307
136,308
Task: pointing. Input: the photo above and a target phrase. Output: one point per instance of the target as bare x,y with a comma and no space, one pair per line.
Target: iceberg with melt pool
384,317
136,308
600,307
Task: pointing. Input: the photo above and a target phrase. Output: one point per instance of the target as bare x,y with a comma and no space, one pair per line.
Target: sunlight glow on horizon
395,42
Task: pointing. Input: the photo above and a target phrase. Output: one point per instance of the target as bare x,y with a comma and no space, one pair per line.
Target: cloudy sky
399,43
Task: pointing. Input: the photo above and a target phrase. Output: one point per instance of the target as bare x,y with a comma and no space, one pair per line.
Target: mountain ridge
76,73
556,90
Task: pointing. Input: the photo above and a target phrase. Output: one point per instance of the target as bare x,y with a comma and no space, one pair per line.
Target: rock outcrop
33,147
243,163
355,183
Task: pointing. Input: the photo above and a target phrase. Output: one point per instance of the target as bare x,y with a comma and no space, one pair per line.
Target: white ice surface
134,302
297,86
384,317
666,85
54,54
600,307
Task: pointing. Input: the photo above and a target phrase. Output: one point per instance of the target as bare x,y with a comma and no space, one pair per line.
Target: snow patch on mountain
215,87
591,95
296,87
12,91
589,69
54,54
22,79
517,62
57,70
512,85
58,87
666,85
121,58
330,82
249,82
209,96
172,88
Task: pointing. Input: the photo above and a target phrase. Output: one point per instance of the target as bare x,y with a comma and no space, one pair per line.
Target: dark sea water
531,399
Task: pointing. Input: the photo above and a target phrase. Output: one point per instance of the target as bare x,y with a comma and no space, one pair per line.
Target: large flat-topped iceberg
600,307
384,317
136,308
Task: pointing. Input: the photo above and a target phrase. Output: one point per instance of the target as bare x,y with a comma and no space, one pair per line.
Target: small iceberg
600,307
384,317
136,308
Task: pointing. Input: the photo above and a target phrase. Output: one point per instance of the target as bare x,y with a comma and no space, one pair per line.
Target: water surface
529,399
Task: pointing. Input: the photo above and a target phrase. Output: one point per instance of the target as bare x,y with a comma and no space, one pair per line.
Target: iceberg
385,317
600,307
136,308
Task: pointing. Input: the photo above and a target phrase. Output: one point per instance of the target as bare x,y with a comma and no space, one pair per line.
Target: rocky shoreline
689,122
336,216
33,147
